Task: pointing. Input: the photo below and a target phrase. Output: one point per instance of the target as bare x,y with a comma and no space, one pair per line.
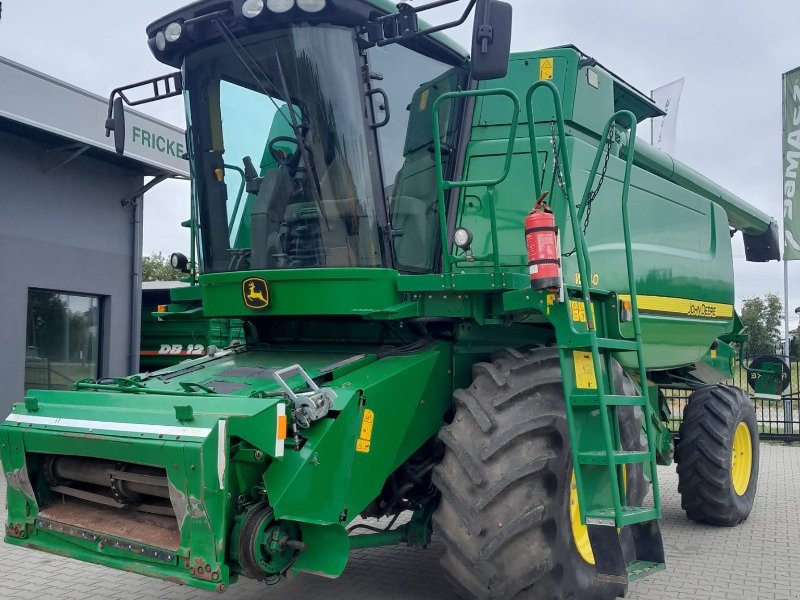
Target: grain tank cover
593,83
626,96
760,231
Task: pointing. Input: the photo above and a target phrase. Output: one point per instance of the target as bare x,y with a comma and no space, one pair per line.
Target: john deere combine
173,328
464,286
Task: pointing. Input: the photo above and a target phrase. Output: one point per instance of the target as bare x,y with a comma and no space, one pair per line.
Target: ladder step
593,399
584,343
576,293
630,515
599,457
620,345
642,568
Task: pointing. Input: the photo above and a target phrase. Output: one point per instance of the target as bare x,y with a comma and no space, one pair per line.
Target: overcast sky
731,53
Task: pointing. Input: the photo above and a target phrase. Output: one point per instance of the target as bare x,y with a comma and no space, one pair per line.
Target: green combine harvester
174,330
465,286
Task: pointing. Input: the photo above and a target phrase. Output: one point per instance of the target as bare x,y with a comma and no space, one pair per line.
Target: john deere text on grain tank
416,338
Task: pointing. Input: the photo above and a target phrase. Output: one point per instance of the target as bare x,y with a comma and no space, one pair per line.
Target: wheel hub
741,458
266,548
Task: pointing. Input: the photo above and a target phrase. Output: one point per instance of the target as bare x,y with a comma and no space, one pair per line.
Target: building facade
70,233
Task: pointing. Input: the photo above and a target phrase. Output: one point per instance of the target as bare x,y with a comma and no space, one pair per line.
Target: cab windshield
282,167
307,152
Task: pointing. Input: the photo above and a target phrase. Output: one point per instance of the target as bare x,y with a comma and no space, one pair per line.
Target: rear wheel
717,456
508,515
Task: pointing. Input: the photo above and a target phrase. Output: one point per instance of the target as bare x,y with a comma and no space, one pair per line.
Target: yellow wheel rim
580,533
741,459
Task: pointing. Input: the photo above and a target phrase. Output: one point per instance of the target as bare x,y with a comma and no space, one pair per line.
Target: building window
63,339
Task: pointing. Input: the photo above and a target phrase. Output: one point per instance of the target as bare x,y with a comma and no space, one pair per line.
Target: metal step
593,399
621,567
629,516
619,345
584,343
599,457
576,293
642,568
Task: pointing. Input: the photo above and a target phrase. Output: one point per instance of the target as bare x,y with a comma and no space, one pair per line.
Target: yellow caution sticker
585,378
365,436
578,310
551,300
423,99
545,68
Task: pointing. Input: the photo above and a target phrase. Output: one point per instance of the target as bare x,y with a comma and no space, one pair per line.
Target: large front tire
504,517
717,456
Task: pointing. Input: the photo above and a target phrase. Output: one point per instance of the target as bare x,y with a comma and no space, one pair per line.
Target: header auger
360,194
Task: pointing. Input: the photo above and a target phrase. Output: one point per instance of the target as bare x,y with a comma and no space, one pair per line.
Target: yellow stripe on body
698,309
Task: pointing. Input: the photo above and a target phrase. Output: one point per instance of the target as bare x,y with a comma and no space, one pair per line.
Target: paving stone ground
759,560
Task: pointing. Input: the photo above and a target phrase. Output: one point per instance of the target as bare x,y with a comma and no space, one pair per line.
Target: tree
46,315
794,345
762,315
157,268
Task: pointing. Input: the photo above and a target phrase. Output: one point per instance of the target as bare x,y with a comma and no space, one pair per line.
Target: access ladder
586,352
625,538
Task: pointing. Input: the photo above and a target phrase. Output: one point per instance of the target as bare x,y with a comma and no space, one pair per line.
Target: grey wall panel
63,230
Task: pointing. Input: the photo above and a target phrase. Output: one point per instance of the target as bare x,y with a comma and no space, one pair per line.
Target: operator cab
309,126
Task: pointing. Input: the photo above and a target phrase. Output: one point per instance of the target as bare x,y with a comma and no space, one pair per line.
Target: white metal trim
129,153
279,443
195,432
222,454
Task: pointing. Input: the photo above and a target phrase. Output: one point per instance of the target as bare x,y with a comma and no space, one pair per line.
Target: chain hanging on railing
557,174
592,193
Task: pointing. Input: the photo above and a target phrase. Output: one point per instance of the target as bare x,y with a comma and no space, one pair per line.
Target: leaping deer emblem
254,297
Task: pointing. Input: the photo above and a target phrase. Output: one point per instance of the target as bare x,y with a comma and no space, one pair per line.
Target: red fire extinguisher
541,238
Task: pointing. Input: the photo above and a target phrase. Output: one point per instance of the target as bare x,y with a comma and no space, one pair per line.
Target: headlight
173,31
280,6
311,5
252,8
179,261
462,237
161,41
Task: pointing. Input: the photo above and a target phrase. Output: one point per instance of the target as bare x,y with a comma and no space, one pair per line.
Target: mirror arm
430,5
176,78
408,13
115,119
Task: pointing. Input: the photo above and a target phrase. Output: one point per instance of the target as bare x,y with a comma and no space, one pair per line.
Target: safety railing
610,438
778,418
443,186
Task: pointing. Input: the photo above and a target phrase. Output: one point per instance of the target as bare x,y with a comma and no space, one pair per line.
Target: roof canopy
35,100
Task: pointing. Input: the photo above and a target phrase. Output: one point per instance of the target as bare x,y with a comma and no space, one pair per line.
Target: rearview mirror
116,123
491,39
164,86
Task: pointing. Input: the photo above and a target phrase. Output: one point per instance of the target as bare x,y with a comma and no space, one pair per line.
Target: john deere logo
255,293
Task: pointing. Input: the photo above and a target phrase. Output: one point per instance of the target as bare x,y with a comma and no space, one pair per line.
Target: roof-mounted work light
252,8
311,6
173,32
280,6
